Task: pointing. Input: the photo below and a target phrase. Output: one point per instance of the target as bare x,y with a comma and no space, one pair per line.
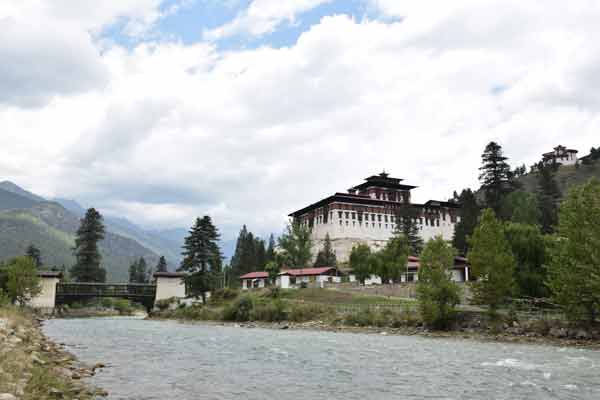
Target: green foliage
164,304
492,262
407,226
23,283
438,295
87,266
162,265
240,310
273,269
326,257
201,258
296,245
138,272
219,296
35,254
574,268
391,261
250,255
496,176
305,312
548,195
468,221
270,311
361,262
528,246
521,207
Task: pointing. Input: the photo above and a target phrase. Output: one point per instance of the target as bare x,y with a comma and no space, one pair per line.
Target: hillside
10,200
566,177
52,228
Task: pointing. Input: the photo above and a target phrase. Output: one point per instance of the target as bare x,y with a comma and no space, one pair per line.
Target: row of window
428,222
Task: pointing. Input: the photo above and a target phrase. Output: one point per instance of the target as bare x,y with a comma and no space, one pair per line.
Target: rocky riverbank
34,368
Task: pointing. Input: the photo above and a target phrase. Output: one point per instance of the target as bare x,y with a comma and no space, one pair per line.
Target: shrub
164,304
305,312
272,311
123,306
239,310
198,313
222,295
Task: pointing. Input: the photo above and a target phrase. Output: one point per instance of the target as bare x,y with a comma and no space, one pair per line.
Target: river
168,360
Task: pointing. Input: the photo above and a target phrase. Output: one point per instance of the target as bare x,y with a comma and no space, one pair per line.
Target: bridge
55,292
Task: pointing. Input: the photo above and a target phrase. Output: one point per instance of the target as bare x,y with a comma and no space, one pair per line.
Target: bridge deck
125,290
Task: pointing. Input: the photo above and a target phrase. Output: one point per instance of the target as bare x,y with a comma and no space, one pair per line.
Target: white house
254,280
561,156
307,277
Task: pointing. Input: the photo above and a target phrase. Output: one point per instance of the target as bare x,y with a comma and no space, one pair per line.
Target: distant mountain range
27,218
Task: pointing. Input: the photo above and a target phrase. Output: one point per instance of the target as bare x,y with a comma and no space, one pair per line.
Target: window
385,218
292,280
379,217
340,214
421,221
437,222
353,215
347,214
372,217
347,223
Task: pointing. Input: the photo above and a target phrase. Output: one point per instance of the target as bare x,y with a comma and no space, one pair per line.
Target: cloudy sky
250,109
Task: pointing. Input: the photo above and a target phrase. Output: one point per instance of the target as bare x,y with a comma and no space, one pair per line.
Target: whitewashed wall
167,287
47,297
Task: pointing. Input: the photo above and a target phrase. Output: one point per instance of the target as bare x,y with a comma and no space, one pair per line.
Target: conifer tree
496,176
88,258
162,265
492,262
469,214
296,245
202,258
35,254
438,295
326,256
270,254
406,224
548,195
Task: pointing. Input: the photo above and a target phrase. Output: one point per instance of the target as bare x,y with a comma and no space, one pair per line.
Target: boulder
7,396
558,332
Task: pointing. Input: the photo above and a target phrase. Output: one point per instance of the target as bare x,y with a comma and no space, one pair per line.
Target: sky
247,110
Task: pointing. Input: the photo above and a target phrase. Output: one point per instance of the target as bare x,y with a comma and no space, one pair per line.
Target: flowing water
167,360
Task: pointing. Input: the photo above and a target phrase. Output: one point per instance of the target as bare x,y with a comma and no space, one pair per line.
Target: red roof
307,271
255,275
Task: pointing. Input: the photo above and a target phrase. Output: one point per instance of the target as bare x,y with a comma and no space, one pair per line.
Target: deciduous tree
492,262
528,246
391,260
574,267
23,282
296,245
521,207
360,262
438,295
406,224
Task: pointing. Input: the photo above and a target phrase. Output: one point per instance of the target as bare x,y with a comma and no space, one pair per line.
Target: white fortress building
561,155
367,214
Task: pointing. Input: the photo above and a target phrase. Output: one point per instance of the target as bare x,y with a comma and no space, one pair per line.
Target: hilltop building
561,155
367,214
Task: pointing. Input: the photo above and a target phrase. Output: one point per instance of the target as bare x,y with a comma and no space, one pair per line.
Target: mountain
177,236
10,200
52,229
11,187
121,226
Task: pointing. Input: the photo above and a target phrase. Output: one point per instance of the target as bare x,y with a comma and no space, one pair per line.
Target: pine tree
270,256
496,176
260,254
142,271
469,215
492,262
406,224
35,254
326,257
296,245
202,258
87,266
162,265
133,268
438,295
548,195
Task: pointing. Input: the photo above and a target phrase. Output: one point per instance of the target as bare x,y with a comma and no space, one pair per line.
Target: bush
366,317
4,299
272,311
123,306
198,313
239,310
164,304
305,312
222,295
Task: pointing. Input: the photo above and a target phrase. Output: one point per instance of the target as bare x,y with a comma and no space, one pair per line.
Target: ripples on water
167,360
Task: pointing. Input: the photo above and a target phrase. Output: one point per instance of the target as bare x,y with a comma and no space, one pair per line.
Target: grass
334,297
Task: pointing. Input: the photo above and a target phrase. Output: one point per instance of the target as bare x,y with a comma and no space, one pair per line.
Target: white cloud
262,17
174,131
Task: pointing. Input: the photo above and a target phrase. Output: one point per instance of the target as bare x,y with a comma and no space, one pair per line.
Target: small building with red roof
255,280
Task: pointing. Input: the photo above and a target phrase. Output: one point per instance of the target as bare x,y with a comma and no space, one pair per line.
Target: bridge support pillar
46,299
168,285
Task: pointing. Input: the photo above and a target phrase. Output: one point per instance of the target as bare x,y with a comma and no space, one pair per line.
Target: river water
168,360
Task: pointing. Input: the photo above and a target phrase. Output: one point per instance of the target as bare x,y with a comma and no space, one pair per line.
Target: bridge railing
105,290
